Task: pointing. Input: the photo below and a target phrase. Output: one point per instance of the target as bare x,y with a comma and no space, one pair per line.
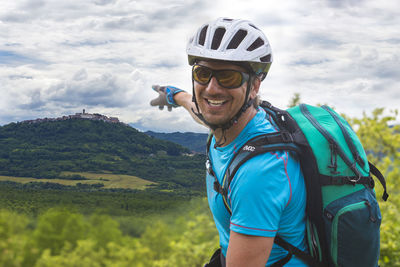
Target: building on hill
83,115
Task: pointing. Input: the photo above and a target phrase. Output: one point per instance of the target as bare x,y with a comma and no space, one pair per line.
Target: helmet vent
266,58
237,39
218,35
256,44
202,37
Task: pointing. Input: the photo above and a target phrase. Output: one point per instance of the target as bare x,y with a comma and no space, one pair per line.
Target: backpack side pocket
352,226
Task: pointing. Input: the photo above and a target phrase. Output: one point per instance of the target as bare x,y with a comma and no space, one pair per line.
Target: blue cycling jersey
267,196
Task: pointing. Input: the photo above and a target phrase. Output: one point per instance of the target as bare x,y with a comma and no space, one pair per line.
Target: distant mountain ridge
196,142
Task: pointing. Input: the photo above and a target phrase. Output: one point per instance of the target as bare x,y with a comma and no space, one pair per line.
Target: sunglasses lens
201,74
229,78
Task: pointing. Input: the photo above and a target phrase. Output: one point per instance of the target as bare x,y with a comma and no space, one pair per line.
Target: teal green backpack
343,216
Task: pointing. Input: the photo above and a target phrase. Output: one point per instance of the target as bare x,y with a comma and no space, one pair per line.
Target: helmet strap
247,103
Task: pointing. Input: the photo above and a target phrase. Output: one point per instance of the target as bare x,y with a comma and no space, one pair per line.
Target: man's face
218,104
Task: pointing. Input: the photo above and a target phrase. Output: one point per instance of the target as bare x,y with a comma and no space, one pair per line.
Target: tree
12,238
57,227
295,100
103,230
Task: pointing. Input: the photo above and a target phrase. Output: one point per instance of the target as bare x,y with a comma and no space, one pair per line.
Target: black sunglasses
229,79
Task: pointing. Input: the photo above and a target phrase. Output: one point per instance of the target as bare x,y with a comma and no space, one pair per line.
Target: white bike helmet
232,40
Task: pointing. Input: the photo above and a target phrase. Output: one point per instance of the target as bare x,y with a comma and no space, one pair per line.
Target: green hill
53,148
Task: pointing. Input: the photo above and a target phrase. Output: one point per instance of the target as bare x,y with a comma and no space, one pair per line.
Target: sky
60,57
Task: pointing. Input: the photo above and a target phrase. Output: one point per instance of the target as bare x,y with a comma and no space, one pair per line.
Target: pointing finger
154,102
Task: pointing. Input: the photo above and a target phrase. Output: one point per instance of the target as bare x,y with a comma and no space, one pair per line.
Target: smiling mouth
215,103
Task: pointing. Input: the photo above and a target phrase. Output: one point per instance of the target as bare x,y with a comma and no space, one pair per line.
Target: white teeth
215,102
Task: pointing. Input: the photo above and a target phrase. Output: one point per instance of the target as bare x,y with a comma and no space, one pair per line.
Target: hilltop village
83,115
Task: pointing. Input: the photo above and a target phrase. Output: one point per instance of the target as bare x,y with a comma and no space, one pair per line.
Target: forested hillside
47,149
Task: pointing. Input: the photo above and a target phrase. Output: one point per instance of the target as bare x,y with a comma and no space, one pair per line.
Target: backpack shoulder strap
305,257
374,170
285,122
259,145
255,146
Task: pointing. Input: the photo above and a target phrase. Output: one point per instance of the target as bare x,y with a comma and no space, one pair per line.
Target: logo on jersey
249,148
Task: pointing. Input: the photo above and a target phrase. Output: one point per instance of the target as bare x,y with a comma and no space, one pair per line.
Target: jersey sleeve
258,194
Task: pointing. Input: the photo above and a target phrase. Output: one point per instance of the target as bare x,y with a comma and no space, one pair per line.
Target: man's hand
166,97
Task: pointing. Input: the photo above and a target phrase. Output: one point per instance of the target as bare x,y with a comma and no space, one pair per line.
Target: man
266,197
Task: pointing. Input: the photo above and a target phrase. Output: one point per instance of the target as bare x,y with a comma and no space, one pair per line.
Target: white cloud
57,57
80,75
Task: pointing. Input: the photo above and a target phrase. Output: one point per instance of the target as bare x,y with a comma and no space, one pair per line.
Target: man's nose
213,87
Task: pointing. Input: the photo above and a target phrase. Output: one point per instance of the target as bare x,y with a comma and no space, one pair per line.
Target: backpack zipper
333,144
347,137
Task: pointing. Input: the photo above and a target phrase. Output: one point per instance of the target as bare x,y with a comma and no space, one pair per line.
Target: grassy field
109,180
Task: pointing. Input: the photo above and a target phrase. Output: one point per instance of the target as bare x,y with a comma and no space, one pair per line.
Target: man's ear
255,87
